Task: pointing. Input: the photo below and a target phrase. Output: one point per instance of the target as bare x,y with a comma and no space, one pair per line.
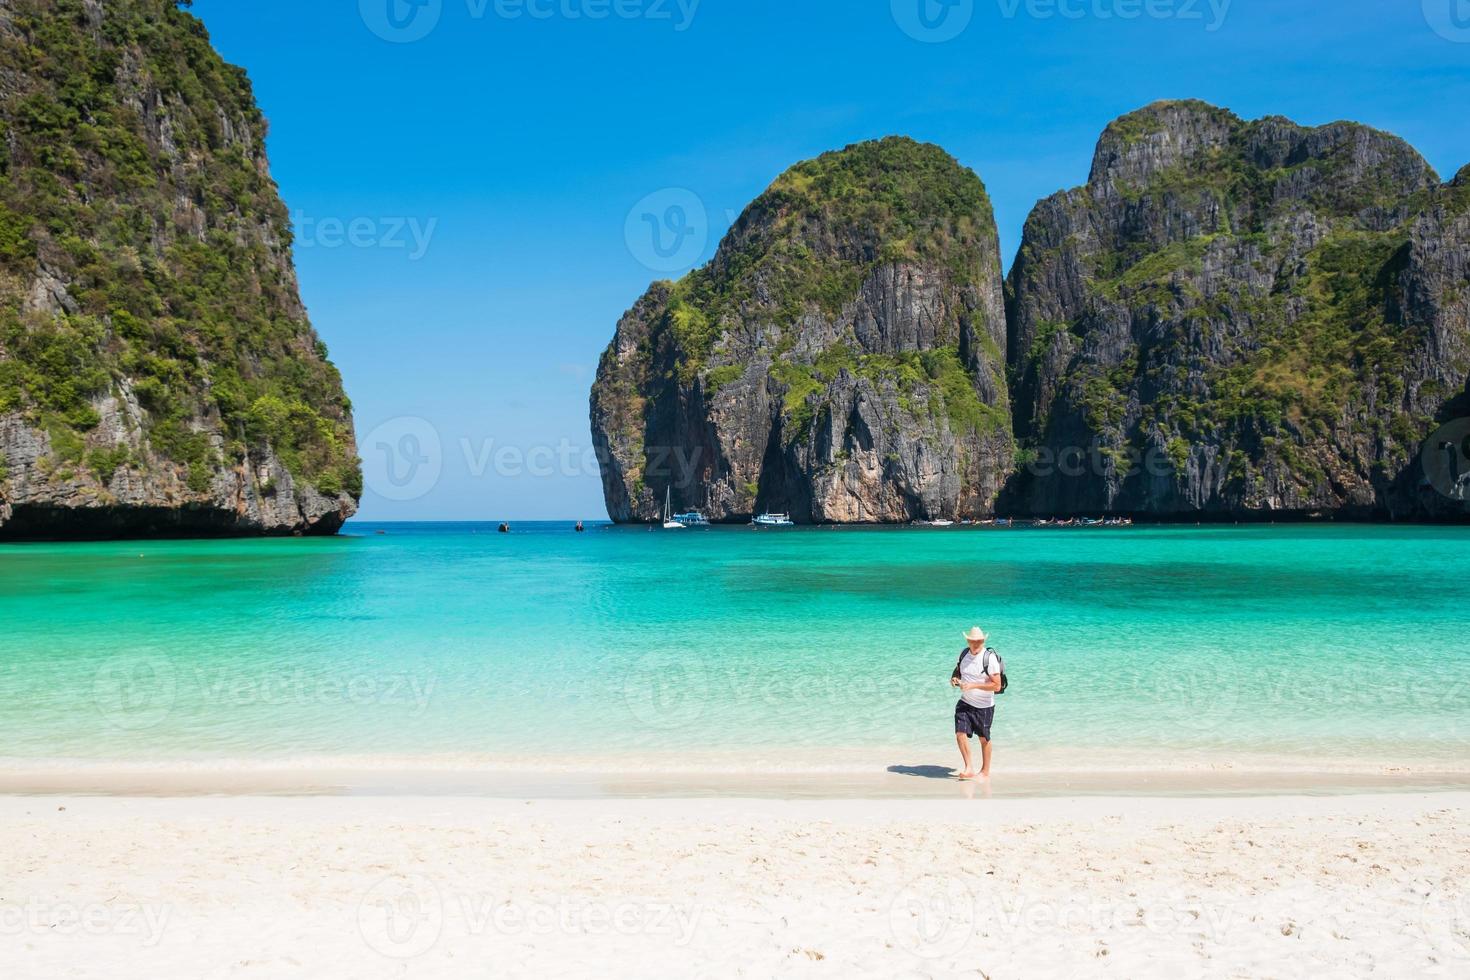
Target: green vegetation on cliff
1272,306
807,242
134,191
939,375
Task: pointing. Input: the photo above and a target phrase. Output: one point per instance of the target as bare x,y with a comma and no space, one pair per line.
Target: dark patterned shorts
970,720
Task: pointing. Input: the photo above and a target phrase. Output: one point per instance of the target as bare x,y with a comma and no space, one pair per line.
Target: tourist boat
774,520
669,523
941,522
692,519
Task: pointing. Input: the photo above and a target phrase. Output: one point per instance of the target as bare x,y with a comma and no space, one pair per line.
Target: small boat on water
941,523
774,520
669,523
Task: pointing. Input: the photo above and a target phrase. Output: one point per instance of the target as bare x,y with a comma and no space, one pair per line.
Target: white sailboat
669,523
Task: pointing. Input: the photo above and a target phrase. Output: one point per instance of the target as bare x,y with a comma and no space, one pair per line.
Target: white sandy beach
1344,886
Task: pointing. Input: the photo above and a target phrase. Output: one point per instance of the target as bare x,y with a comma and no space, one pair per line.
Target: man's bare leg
984,758
964,740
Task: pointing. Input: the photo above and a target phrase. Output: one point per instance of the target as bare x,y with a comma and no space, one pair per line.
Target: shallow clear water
1312,644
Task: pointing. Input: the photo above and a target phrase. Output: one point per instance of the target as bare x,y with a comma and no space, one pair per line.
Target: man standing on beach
977,675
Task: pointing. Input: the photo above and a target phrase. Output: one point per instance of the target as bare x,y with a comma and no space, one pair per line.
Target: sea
1291,649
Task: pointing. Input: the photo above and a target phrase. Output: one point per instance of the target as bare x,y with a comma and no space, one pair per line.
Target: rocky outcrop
841,358
1238,319
1231,320
158,373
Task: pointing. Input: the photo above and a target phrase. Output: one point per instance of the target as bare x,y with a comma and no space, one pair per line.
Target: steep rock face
158,374
840,358
1239,319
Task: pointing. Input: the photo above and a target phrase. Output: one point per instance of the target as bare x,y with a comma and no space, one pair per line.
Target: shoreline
359,528
898,783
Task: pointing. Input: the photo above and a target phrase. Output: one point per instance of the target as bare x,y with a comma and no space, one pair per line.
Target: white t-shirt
977,670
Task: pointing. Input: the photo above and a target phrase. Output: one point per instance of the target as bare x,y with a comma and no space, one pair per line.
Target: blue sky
463,171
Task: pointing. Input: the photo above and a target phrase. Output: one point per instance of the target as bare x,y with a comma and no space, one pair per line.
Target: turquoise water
1320,645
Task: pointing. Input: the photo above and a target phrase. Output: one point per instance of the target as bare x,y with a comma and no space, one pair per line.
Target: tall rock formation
840,358
158,374
1237,320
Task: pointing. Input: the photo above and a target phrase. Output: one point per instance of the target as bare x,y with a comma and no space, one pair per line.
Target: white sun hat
976,634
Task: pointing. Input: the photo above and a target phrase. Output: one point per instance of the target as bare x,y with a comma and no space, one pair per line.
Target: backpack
1005,681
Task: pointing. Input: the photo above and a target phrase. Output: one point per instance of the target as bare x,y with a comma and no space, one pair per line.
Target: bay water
809,649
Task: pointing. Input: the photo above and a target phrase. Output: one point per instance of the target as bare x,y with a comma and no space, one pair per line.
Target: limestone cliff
1239,319
841,357
1230,320
158,374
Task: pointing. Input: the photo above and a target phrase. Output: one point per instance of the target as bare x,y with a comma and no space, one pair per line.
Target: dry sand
470,887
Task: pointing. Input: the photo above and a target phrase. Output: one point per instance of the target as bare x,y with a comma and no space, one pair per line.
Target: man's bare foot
965,775
984,774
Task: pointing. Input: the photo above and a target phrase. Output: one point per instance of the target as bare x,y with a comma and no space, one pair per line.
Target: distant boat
692,518
774,520
669,523
941,523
